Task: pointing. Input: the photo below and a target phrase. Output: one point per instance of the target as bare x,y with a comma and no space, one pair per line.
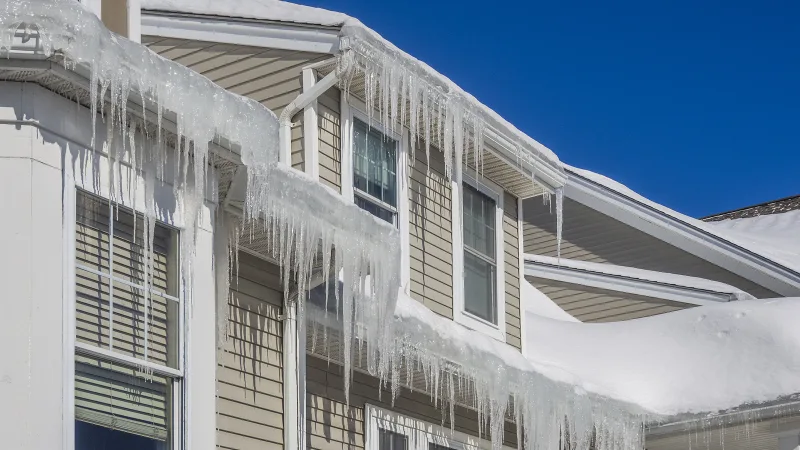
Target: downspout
293,343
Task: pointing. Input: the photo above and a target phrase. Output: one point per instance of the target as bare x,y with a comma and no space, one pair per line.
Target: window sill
496,332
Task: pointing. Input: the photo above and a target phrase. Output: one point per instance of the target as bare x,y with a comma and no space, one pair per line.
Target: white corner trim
523,322
134,20
495,192
242,32
346,137
620,283
683,235
420,433
68,312
310,128
403,177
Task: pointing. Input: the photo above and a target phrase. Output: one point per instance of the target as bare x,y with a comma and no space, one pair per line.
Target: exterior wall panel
330,139
249,364
512,291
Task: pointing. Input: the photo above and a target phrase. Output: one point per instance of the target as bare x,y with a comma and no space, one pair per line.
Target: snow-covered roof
643,275
274,10
377,53
537,302
768,236
698,360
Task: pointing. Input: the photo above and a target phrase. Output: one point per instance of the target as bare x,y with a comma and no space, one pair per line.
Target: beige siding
599,305
270,76
754,435
330,139
249,377
592,236
511,256
115,16
331,424
430,234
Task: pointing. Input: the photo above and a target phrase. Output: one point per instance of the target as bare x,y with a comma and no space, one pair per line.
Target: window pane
94,437
432,446
479,288
389,440
375,210
479,221
374,163
121,404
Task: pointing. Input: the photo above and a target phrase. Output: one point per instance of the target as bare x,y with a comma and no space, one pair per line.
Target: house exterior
224,362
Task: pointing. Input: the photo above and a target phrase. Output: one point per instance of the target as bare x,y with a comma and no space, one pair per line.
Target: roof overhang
683,235
240,31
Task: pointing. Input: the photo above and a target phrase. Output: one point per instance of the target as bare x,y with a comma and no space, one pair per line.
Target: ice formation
298,212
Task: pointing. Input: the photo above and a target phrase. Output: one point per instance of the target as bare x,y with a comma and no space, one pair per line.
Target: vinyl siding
754,435
272,77
592,236
332,425
430,233
249,364
589,304
330,139
512,291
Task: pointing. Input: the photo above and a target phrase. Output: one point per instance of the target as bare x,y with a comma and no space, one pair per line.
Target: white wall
36,329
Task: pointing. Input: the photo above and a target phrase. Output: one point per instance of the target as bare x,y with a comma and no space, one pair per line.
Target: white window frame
418,432
176,375
460,315
353,108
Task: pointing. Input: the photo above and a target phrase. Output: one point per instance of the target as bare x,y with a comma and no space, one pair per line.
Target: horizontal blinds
115,396
108,394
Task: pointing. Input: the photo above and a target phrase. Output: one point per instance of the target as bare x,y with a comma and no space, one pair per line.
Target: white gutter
293,342
646,283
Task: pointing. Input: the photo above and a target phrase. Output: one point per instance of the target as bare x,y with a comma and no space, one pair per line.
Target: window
480,261
389,440
374,172
388,430
128,361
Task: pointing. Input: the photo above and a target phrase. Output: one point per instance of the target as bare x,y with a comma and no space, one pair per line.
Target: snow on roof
252,9
642,274
770,238
274,10
698,360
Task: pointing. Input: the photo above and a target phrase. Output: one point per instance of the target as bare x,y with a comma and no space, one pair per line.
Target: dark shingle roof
772,207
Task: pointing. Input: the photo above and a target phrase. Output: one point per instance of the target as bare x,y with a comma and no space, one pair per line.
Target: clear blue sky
695,104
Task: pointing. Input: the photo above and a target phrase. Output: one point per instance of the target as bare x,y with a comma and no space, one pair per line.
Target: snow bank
698,360
536,302
641,274
771,238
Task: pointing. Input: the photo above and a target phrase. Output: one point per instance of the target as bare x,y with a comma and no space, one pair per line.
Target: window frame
420,433
72,348
460,315
351,107
362,117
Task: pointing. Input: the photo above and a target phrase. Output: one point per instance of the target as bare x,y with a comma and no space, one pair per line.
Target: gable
590,235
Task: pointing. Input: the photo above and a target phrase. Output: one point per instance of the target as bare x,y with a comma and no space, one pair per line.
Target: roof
274,10
781,247
771,207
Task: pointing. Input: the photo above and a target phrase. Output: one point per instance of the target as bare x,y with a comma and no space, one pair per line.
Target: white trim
420,433
495,192
95,7
353,108
685,236
619,283
108,355
134,20
544,173
230,30
69,305
310,128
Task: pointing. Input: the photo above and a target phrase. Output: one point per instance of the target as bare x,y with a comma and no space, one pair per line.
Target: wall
592,236
511,259
333,425
249,364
